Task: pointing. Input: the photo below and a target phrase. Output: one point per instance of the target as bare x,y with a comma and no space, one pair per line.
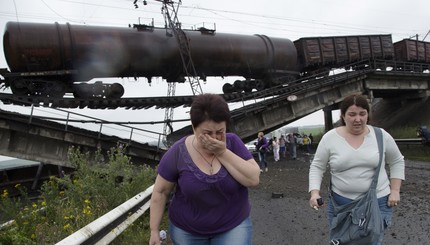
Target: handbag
359,222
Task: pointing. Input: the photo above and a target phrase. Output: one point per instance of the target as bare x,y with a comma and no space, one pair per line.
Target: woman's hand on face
213,145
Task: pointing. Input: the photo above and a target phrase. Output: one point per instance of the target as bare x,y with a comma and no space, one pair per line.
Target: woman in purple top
209,172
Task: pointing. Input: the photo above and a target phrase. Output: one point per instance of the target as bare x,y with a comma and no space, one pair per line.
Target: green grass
416,153
411,152
70,203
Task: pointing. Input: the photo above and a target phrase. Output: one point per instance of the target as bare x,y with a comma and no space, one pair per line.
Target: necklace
209,163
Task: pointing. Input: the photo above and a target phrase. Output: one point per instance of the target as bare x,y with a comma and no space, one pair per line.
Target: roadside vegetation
412,152
67,204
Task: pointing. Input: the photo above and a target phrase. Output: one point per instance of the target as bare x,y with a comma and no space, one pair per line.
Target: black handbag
359,222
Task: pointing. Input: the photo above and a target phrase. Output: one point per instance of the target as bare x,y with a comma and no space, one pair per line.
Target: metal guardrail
109,226
415,141
73,119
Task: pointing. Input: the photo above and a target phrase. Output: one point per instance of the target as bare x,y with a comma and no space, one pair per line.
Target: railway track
304,84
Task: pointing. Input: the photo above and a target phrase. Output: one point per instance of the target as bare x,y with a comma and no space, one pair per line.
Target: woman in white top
351,153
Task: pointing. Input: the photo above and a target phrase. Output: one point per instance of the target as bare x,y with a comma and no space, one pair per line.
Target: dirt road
290,220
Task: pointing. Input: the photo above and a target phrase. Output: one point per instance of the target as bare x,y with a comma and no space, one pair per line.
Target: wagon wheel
82,91
259,85
116,91
20,87
54,89
227,88
239,85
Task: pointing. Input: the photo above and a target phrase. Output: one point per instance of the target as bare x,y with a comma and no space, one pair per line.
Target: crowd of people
285,147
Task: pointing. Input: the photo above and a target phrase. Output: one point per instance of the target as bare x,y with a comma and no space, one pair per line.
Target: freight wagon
318,54
412,50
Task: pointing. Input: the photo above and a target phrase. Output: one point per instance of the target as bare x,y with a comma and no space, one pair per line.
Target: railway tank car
50,59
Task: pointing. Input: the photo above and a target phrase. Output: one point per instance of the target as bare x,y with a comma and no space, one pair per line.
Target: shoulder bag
359,222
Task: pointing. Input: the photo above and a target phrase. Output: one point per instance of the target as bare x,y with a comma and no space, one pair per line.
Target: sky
273,18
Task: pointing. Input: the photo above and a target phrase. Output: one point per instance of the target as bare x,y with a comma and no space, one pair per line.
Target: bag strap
378,134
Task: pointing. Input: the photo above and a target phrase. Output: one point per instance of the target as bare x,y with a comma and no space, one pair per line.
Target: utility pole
426,35
170,13
172,23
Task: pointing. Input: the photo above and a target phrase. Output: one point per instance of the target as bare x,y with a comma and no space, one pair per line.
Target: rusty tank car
54,59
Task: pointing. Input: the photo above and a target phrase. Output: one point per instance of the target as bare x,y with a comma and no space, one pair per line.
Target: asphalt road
290,220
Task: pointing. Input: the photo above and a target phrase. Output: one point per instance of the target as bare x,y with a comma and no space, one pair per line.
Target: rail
109,226
365,66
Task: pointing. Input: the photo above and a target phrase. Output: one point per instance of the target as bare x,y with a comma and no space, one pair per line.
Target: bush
67,204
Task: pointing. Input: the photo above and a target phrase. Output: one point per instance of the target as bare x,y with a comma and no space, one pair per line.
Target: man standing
282,146
293,146
262,148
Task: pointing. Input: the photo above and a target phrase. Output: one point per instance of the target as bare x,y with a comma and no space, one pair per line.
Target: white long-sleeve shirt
352,170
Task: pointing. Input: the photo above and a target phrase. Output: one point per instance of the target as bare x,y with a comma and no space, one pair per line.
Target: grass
67,204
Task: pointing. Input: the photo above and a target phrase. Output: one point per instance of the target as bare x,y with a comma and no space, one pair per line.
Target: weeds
67,204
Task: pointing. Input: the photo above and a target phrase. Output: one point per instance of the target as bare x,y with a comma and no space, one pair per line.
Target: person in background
292,146
307,143
262,148
351,152
312,141
209,173
275,147
282,146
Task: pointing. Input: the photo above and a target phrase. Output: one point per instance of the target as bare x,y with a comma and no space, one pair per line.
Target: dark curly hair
209,107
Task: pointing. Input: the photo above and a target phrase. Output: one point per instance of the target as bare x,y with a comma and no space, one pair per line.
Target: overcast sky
274,18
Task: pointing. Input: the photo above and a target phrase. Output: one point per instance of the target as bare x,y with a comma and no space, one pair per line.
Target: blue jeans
262,157
386,212
239,235
293,151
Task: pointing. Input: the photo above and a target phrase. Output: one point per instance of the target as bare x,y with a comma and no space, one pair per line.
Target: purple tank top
205,204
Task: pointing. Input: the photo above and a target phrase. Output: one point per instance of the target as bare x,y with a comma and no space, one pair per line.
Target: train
51,60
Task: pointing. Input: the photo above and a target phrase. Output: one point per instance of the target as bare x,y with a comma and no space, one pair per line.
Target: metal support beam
37,177
328,119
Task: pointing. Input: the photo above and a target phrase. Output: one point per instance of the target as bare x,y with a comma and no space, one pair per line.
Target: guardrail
109,226
100,126
415,141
